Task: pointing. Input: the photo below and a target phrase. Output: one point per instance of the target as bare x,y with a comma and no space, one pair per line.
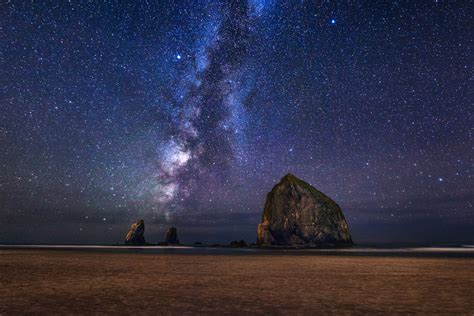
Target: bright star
333,21
178,56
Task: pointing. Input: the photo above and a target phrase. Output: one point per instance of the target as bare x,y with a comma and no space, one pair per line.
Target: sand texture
46,281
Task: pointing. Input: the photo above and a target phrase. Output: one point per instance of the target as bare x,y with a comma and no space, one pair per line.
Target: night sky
186,113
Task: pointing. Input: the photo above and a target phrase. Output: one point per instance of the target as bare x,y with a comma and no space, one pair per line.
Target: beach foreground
45,281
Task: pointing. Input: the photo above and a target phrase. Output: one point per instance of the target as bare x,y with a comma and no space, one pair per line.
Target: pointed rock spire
135,233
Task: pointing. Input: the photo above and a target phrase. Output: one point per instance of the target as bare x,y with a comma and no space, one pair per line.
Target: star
183,105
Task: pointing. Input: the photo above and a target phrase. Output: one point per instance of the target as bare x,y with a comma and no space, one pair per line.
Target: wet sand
58,281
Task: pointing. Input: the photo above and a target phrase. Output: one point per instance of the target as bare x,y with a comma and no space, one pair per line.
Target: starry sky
186,113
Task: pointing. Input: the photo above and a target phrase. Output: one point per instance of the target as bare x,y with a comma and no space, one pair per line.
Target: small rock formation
238,244
135,233
298,215
172,236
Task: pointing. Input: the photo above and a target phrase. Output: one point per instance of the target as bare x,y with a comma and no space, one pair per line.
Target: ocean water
385,250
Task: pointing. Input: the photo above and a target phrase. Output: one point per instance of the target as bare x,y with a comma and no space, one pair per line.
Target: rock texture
172,236
135,233
296,214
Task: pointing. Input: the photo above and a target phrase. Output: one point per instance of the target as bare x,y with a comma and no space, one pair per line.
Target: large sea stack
298,215
135,233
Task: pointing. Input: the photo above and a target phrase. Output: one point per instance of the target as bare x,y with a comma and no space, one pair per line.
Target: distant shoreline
465,251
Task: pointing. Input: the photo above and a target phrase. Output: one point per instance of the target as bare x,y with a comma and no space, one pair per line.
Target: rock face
296,214
135,233
172,236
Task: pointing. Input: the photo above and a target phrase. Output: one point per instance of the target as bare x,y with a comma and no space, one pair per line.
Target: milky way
187,113
206,104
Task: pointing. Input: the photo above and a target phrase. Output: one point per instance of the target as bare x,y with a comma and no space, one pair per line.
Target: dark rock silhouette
135,233
298,215
238,244
172,236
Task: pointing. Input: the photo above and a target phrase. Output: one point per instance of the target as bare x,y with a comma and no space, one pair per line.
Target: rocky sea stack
298,215
135,233
172,236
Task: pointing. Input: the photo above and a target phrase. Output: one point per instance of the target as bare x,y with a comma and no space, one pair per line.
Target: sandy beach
59,281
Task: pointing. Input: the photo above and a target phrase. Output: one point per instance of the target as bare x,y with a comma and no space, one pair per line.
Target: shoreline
435,251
